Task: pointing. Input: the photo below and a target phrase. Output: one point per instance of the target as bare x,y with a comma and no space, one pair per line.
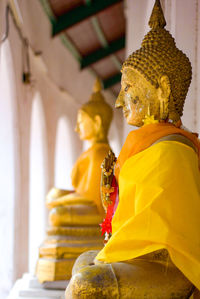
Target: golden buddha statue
74,216
154,245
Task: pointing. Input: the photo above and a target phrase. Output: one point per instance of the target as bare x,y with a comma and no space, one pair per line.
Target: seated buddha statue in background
154,248
74,216
93,122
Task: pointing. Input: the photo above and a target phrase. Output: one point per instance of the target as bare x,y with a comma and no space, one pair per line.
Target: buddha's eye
126,88
136,100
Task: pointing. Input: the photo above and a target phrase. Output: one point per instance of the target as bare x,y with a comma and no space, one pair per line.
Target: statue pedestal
28,287
62,247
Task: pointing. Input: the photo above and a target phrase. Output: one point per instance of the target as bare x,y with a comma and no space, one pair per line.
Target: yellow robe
86,173
159,207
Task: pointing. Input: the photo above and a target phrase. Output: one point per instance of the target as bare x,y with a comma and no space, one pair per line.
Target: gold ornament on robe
107,174
154,251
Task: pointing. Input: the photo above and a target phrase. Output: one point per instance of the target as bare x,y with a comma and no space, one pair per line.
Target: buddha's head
155,78
94,117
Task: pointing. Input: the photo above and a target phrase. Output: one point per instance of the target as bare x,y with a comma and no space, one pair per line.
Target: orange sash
139,140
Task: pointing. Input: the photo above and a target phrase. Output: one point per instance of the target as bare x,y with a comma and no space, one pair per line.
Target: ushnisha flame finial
97,85
97,95
98,106
157,19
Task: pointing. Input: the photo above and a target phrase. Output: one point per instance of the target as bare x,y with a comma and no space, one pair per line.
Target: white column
183,18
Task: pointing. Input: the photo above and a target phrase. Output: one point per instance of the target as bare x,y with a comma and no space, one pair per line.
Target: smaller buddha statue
153,228
74,216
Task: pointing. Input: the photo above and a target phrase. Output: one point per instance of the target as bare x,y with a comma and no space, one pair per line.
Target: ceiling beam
103,52
79,14
107,83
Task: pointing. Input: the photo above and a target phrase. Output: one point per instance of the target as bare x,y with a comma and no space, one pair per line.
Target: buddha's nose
76,129
120,100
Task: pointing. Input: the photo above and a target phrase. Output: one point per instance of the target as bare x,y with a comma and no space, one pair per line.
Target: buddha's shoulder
161,160
172,147
165,151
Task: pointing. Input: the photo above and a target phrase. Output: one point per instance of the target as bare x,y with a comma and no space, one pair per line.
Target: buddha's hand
107,174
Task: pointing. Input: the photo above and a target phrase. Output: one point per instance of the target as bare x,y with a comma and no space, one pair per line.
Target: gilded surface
100,112
164,66
79,214
76,231
138,97
132,279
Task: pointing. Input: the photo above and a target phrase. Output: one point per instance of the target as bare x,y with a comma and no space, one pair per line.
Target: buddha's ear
98,122
164,91
164,87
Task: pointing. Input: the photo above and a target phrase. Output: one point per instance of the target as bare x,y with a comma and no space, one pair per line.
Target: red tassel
106,225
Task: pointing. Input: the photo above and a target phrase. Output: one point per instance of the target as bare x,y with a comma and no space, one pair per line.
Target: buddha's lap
77,214
140,278
57,197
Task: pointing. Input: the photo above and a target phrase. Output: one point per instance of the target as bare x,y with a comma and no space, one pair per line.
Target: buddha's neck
97,140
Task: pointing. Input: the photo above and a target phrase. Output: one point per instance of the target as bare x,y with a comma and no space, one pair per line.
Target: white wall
64,150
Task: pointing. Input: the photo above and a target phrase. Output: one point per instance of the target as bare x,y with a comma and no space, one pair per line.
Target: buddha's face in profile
137,97
86,126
